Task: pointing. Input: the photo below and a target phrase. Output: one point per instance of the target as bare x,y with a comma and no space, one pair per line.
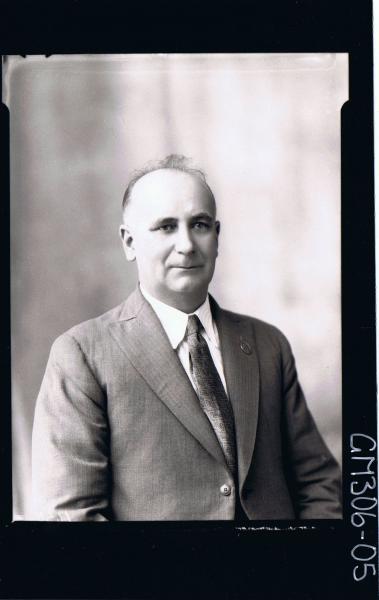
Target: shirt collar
174,321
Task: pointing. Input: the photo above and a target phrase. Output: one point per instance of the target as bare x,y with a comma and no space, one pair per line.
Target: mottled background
266,130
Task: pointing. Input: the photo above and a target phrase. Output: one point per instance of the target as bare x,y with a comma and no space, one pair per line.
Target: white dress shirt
174,322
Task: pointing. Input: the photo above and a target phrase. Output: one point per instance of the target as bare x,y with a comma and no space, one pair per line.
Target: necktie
212,397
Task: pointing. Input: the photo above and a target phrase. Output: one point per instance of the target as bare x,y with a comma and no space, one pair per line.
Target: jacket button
225,490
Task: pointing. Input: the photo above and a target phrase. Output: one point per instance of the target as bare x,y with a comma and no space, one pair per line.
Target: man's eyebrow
204,216
163,221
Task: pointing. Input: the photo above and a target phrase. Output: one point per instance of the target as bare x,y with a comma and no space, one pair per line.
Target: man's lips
186,267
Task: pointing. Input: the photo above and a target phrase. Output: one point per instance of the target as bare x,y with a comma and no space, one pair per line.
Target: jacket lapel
141,337
242,378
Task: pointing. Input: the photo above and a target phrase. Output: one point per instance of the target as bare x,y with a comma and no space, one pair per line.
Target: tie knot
194,325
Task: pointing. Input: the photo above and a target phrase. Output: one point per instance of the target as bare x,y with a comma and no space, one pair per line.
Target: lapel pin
245,347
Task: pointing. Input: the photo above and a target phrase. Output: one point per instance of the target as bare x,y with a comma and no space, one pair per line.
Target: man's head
170,229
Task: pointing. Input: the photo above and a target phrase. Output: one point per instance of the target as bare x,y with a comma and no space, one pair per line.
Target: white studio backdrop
266,130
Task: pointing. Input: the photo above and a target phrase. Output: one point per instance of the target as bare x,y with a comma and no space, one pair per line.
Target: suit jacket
119,432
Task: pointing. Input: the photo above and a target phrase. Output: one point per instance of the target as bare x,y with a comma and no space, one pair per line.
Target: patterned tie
210,390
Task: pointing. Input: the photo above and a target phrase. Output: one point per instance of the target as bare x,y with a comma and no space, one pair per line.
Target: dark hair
172,161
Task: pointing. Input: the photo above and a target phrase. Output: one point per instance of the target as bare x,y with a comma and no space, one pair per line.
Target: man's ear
127,242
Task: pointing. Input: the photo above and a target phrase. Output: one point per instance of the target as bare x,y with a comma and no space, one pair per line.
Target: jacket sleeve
313,474
70,446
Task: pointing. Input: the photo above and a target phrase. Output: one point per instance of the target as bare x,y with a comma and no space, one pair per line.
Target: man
168,407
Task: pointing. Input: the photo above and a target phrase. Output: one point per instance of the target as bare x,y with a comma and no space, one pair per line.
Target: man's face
170,229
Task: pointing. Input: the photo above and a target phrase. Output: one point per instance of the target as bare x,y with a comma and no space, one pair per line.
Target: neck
183,302
187,307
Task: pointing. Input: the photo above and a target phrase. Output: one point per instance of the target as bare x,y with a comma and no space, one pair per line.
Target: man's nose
184,242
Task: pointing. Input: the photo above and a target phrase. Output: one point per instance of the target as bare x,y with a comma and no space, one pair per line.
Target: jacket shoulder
89,331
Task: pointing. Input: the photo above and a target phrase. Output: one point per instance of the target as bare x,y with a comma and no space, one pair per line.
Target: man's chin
187,284
183,295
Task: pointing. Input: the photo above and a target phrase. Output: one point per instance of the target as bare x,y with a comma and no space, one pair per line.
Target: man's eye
167,228
201,225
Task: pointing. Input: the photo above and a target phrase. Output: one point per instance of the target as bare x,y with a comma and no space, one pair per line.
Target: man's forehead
164,183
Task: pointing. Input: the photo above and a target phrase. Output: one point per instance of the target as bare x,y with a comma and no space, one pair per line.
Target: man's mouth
186,268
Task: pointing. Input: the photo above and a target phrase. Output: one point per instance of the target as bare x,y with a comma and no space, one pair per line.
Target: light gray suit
119,433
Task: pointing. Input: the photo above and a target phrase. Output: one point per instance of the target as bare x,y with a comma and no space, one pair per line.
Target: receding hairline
192,176
172,162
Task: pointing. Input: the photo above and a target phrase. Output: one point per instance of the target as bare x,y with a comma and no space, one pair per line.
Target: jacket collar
142,338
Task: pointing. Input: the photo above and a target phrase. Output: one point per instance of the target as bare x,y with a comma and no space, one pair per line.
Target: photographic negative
266,131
